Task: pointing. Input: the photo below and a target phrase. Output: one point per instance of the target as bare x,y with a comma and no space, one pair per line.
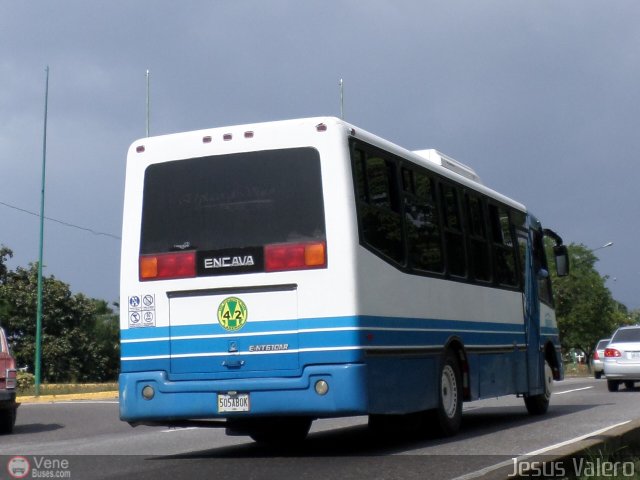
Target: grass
604,463
68,388
577,370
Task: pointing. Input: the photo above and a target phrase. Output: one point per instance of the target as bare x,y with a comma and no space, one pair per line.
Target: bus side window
378,207
503,246
540,263
479,252
424,238
453,233
360,174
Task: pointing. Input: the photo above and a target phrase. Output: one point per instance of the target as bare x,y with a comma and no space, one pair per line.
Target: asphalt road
95,444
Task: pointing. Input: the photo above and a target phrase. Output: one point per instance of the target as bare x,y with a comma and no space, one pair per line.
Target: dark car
8,381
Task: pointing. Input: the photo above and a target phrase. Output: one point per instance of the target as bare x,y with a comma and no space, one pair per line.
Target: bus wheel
281,432
448,415
539,404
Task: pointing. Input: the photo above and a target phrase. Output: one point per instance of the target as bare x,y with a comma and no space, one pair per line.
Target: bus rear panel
225,256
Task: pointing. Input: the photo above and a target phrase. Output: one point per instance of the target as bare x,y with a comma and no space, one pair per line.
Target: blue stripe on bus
322,334
549,331
323,322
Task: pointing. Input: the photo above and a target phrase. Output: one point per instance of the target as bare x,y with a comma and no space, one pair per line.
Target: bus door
531,310
234,331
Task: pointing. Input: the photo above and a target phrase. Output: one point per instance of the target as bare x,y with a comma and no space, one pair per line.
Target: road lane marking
574,390
179,429
484,471
573,440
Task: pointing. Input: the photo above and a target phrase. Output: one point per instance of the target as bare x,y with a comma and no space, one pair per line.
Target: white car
597,363
622,358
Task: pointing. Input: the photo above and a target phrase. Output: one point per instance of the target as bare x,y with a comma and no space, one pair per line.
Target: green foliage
79,334
585,309
26,381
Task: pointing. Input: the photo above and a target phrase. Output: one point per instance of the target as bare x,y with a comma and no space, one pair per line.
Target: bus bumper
198,399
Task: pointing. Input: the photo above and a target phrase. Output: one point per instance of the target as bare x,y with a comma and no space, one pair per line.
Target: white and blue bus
281,272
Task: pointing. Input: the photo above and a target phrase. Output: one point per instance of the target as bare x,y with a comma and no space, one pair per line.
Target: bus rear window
233,203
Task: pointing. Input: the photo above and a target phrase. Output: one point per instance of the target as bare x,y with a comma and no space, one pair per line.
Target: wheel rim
548,380
449,391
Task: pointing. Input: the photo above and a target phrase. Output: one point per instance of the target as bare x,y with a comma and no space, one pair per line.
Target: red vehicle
8,405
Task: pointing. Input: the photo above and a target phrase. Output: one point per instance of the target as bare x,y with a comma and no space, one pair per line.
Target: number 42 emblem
232,314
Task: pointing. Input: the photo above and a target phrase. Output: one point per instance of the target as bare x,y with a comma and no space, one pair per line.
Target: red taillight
596,356
168,265
295,256
611,353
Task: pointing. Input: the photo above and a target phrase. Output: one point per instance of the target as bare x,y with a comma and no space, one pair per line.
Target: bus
281,272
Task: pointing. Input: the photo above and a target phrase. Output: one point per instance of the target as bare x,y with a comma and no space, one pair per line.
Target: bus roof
267,134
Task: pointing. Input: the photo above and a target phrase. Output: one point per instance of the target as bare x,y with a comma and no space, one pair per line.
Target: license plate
233,403
634,355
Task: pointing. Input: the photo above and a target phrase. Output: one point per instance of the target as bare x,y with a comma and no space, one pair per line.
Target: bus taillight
168,265
295,256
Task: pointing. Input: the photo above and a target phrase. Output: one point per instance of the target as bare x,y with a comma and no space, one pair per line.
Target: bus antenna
341,99
147,102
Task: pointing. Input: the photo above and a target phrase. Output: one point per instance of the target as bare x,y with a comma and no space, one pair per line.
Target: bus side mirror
562,260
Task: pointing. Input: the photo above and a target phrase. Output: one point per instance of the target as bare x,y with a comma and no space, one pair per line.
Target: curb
612,440
111,395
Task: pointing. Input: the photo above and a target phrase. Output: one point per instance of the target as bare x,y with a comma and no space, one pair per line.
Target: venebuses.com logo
38,467
18,467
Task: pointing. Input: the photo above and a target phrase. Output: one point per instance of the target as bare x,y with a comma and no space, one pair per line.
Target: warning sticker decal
142,311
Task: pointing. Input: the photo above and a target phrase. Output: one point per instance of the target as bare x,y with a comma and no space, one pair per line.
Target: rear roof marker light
248,134
140,148
206,139
227,136
321,127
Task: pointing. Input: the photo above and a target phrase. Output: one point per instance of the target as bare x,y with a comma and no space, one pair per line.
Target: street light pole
608,244
38,359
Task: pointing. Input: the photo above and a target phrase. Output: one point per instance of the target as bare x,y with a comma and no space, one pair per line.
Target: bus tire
539,404
281,432
448,414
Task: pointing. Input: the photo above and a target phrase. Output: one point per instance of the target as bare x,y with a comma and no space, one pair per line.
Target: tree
585,309
79,334
5,254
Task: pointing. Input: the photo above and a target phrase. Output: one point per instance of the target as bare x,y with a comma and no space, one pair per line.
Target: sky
541,98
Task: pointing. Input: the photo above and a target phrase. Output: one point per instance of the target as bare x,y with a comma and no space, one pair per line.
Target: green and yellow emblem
232,314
